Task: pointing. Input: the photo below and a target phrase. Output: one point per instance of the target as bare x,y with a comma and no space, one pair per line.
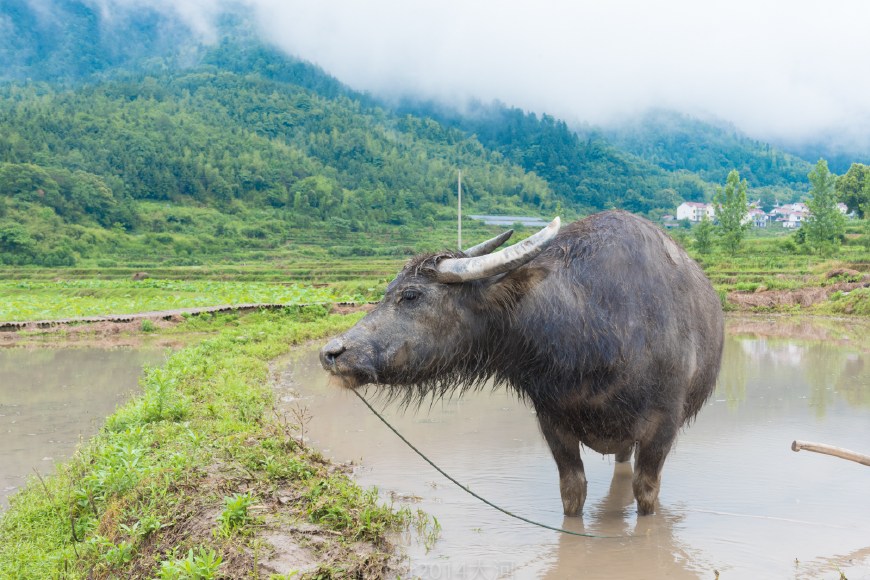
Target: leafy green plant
428,528
108,553
119,554
723,299
235,514
201,565
143,527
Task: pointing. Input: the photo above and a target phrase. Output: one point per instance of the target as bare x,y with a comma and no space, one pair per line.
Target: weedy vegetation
184,480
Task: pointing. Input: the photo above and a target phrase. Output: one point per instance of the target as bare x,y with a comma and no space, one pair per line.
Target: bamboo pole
831,450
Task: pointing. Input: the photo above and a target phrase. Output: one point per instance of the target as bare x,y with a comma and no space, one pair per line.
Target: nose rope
464,488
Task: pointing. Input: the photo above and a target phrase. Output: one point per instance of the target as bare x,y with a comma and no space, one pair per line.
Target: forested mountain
585,171
674,141
210,138
63,40
164,147
840,151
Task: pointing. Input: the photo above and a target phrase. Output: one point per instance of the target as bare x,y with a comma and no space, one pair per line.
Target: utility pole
459,223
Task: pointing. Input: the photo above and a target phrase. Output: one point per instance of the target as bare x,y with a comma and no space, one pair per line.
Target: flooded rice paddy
735,499
53,398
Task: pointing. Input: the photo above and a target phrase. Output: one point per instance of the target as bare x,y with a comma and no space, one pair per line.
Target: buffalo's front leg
565,448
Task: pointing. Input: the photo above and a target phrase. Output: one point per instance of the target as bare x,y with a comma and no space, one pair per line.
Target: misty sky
777,70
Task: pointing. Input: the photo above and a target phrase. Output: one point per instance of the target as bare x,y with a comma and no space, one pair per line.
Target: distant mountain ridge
675,141
587,171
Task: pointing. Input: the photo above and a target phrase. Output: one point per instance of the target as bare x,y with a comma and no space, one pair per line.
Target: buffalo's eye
409,294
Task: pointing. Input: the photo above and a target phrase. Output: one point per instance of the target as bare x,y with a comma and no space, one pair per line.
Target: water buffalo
610,331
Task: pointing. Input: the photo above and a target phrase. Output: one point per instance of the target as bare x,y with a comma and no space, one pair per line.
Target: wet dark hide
613,334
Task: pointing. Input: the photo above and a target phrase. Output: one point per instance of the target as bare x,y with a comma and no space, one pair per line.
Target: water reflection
734,497
732,384
51,398
854,382
832,370
655,550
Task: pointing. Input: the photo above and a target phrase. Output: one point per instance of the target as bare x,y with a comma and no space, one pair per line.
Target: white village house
792,218
757,217
695,211
790,215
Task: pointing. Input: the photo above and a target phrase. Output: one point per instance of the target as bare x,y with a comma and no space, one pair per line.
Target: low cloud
781,71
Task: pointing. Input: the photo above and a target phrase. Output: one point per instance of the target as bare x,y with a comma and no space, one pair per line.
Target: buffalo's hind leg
565,448
649,459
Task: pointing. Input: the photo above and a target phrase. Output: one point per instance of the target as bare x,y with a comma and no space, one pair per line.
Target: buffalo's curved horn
454,270
488,246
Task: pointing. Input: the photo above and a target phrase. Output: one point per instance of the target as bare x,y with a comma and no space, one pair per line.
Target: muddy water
52,398
735,498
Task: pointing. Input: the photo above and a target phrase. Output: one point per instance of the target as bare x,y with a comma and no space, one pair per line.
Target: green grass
169,484
856,302
235,515
41,300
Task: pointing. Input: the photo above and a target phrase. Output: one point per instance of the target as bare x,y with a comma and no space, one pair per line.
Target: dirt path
126,329
153,315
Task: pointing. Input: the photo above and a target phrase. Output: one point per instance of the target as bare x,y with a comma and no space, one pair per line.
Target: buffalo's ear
505,290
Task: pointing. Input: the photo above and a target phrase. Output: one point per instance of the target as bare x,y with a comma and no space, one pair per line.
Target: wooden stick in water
831,450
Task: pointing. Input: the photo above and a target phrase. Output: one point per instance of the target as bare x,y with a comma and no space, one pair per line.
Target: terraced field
303,271
309,274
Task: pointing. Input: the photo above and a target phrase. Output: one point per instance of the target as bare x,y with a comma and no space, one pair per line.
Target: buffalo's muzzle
330,352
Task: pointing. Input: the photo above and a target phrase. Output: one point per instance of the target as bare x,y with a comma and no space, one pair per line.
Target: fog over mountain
781,72
778,71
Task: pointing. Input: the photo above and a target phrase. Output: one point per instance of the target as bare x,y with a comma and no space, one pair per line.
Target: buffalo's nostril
331,351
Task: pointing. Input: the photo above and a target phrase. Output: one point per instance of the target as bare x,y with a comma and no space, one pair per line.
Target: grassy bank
200,478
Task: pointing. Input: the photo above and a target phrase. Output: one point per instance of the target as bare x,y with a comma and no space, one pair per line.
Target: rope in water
464,488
